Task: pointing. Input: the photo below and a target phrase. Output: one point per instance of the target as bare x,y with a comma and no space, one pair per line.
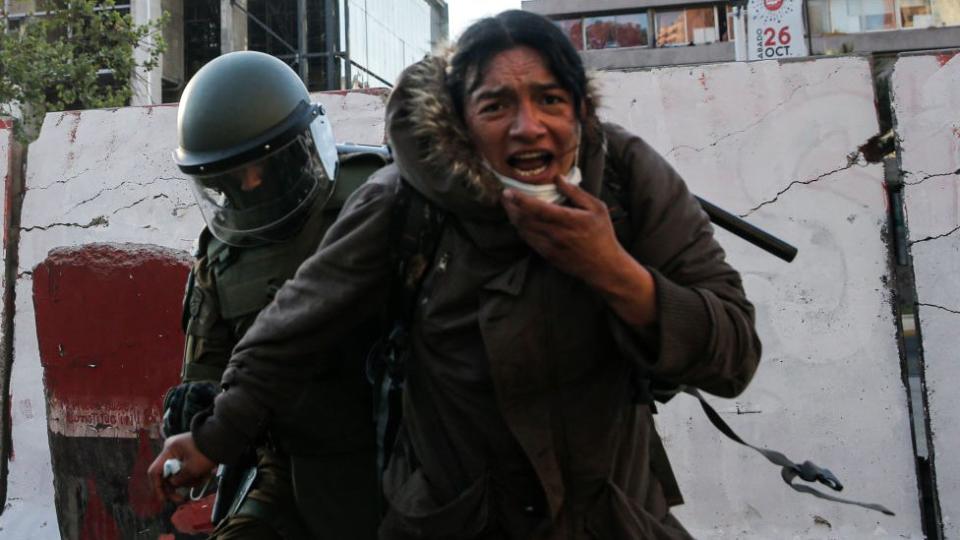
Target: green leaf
50,62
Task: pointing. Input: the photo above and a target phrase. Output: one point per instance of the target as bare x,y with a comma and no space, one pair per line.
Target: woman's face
521,120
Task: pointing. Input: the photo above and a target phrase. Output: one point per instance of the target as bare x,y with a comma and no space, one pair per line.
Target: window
22,6
573,28
867,15
851,16
693,26
916,14
819,11
729,35
617,31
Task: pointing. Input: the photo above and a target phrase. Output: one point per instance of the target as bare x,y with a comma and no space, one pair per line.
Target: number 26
783,37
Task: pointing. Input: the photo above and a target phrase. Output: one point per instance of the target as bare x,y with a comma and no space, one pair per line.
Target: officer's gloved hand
182,402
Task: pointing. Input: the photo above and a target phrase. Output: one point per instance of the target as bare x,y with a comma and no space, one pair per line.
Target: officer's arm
209,339
207,348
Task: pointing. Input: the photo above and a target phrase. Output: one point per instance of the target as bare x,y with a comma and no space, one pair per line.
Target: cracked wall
779,143
773,141
926,101
8,164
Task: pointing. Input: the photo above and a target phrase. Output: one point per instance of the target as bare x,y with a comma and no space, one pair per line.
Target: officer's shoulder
202,243
379,190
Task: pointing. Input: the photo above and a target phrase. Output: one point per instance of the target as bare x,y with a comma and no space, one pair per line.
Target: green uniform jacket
519,412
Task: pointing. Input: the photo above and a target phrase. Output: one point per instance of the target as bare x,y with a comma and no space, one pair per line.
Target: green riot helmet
257,152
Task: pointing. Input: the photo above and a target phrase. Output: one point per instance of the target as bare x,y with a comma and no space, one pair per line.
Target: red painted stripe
142,500
108,329
98,523
194,517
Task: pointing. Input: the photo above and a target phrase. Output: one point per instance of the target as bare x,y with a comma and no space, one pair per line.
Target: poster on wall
775,29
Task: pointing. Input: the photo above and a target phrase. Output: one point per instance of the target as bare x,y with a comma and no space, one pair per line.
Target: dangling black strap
807,471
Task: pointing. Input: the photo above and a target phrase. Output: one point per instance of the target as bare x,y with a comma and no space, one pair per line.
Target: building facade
622,34
333,44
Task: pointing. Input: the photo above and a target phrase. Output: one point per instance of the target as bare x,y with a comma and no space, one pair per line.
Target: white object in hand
171,467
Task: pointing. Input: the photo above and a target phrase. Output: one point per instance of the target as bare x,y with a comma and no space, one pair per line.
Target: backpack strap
415,230
807,471
417,225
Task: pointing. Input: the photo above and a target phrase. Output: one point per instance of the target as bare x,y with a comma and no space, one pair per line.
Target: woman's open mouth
529,164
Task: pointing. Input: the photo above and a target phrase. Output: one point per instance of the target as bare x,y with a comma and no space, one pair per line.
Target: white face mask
545,192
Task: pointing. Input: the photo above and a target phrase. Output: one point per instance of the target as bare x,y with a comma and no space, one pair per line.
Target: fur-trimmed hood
434,152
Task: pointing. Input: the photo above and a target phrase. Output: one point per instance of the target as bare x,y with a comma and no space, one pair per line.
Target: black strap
807,471
416,227
614,194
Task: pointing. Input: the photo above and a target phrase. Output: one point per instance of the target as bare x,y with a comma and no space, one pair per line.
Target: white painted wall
743,135
357,117
29,511
773,142
6,139
926,97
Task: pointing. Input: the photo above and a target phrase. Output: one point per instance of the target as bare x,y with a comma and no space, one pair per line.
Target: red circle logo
773,5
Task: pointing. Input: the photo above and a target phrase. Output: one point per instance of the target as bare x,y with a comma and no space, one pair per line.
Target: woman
525,410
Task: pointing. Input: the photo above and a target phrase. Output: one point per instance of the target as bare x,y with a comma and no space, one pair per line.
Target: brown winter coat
520,419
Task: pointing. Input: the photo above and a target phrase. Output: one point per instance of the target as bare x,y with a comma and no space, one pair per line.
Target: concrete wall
7,178
926,98
641,57
96,176
889,41
147,85
233,26
173,66
775,142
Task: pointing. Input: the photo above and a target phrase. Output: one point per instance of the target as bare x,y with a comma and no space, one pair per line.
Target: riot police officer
263,166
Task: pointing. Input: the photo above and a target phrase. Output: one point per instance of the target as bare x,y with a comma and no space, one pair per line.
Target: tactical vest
248,278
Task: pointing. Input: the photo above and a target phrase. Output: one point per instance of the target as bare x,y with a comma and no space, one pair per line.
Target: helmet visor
266,200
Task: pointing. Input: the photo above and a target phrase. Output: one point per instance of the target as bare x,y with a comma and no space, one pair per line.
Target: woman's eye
552,100
490,108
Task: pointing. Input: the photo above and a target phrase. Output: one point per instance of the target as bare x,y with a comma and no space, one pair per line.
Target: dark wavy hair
488,37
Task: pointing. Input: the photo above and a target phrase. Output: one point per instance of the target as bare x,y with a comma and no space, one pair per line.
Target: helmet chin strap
545,192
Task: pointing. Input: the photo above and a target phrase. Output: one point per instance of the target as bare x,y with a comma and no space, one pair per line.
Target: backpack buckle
810,472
